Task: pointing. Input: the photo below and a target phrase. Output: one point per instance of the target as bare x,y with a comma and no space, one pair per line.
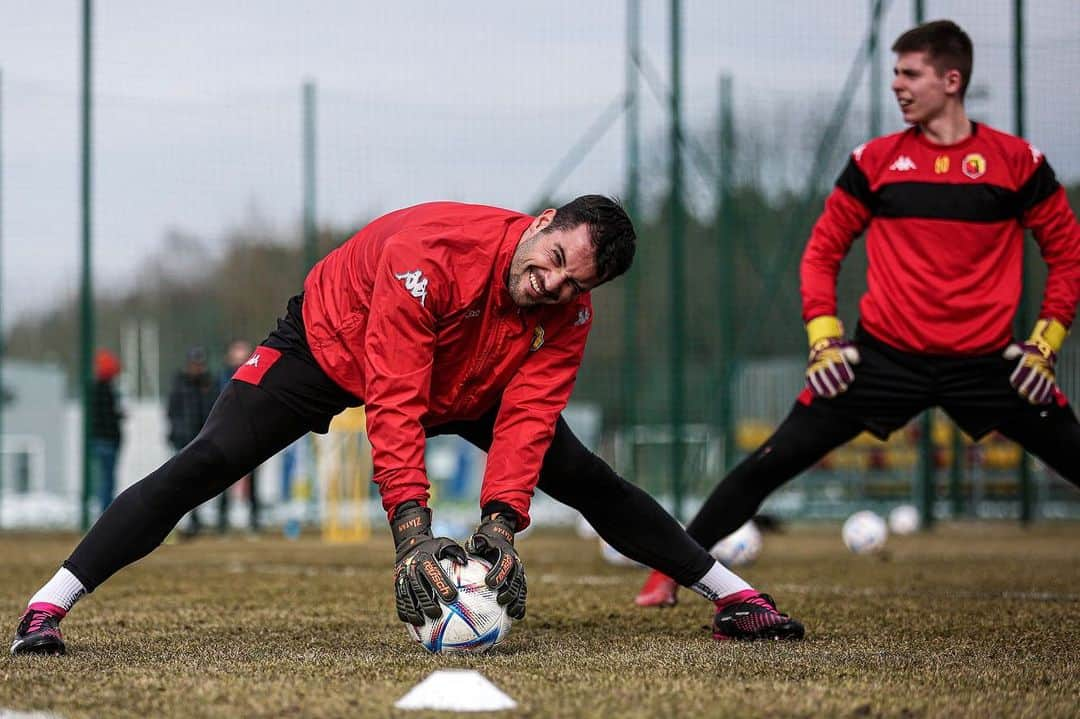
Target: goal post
344,468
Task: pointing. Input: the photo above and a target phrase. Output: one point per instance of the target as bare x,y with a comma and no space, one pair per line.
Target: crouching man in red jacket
440,318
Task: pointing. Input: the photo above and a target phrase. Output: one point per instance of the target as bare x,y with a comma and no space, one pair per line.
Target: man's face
550,268
921,92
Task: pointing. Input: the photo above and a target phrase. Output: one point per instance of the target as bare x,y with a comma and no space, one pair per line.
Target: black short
290,374
891,387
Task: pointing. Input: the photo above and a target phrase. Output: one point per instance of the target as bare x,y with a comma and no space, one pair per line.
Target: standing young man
944,205
440,318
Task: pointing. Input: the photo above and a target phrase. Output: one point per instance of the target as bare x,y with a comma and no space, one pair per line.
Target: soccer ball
903,519
864,532
740,547
473,623
613,556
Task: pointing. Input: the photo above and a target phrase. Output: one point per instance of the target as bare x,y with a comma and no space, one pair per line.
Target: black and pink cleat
751,615
39,631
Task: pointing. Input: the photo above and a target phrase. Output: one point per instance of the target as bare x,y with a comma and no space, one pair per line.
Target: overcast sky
197,115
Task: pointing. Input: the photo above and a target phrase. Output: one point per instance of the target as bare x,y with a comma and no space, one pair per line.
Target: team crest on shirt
941,164
974,165
538,338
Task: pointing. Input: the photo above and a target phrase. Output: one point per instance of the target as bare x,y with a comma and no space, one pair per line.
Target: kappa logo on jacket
415,283
903,164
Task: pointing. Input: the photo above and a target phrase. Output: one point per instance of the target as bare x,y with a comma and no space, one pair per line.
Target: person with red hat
105,418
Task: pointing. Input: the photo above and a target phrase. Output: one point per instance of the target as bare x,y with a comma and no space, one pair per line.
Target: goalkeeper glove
828,371
1033,377
419,581
494,541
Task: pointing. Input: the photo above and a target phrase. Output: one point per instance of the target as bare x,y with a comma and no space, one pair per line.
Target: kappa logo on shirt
1036,154
583,316
415,283
857,152
903,164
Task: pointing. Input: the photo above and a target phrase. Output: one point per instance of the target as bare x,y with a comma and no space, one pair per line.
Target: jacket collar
503,301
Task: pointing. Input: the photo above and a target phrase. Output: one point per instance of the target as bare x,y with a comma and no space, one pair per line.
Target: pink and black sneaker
39,631
752,615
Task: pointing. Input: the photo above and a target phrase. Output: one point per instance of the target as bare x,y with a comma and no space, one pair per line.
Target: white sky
197,117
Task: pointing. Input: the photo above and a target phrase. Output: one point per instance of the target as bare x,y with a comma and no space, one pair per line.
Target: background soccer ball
903,519
740,547
473,623
864,532
613,556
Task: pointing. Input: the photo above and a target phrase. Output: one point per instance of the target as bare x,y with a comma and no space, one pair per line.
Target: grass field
975,620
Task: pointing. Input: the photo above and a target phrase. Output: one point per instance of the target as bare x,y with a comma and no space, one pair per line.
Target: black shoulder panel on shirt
934,200
854,182
1039,186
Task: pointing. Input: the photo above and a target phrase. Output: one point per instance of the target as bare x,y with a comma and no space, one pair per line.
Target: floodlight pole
1023,311
927,486
677,288
311,239
3,393
725,250
630,359
86,325
875,88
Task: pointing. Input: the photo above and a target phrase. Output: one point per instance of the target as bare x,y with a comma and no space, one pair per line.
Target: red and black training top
945,227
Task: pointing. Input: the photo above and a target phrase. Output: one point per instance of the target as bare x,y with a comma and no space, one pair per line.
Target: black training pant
890,388
250,422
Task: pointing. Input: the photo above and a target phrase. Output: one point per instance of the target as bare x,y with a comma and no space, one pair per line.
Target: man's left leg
1050,432
635,524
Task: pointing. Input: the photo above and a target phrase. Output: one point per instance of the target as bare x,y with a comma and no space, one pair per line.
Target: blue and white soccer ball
472,623
865,532
739,548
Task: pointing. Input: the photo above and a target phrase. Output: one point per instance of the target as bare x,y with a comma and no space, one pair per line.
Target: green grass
972,620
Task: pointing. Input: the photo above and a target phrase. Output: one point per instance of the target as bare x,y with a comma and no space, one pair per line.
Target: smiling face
922,93
551,268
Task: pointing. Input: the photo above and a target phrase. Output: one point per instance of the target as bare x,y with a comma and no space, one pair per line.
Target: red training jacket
945,240
412,315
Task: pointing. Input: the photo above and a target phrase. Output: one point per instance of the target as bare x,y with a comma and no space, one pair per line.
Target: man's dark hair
610,230
946,46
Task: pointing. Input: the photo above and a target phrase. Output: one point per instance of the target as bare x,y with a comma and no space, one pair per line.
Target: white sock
719,582
63,590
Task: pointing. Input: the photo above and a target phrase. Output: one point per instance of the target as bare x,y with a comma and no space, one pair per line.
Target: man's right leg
801,440
246,427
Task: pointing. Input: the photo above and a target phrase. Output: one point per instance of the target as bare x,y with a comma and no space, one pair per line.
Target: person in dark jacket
190,399
236,354
105,418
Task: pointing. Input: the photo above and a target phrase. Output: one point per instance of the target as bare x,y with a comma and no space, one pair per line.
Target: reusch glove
494,541
419,582
1033,377
828,371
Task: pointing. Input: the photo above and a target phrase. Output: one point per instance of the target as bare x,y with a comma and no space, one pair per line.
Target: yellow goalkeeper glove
828,371
1033,377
